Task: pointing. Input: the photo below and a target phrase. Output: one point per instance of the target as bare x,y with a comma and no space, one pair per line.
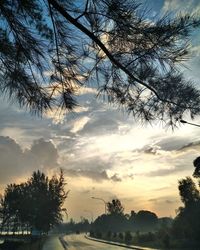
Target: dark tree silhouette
114,220
187,223
188,191
33,205
115,207
51,48
145,220
196,164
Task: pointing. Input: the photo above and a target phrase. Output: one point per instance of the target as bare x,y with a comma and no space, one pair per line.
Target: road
79,242
53,243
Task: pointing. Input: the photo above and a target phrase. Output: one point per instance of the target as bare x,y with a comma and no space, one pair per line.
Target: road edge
117,244
63,242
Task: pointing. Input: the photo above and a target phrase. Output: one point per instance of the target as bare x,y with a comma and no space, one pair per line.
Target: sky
104,152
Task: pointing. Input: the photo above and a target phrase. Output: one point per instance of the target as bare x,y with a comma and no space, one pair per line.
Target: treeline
116,221
182,232
34,206
134,228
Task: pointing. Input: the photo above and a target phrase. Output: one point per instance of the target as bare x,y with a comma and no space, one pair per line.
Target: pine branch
95,39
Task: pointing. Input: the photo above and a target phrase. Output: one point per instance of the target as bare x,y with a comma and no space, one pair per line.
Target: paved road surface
53,243
79,242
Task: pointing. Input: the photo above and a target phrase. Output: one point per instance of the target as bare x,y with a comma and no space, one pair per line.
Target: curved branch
91,35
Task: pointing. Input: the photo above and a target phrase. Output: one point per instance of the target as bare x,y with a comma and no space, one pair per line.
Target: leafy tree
187,224
114,221
145,220
51,48
196,164
115,207
188,191
36,203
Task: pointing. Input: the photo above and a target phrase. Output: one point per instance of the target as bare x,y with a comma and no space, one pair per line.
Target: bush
115,235
121,236
128,238
166,241
91,233
108,236
99,235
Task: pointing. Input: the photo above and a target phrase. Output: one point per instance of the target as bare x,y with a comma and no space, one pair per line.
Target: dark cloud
14,162
95,175
163,172
180,165
166,199
115,178
87,162
191,145
152,150
103,120
172,143
44,153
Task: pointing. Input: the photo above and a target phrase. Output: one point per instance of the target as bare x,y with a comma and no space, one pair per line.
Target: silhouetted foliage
187,222
109,234
99,235
196,164
115,207
33,205
166,241
121,236
110,222
143,220
116,221
188,191
128,238
49,49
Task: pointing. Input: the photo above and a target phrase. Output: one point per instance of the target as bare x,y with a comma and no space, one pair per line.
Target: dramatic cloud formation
15,162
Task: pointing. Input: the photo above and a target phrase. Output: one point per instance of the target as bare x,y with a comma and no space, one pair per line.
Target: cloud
15,162
43,153
164,199
95,175
189,146
171,143
163,172
181,5
99,124
79,124
115,178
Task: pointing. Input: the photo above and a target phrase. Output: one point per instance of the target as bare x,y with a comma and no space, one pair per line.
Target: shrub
128,238
121,236
91,233
108,236
99,235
